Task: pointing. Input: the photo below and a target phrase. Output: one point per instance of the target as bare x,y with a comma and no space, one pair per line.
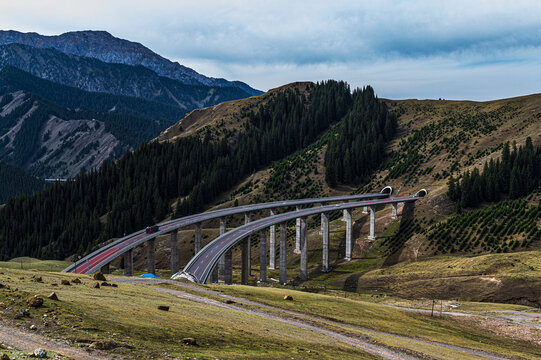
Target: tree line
517,174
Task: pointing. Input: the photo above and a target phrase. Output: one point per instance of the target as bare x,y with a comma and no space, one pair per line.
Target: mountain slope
103,46
97,76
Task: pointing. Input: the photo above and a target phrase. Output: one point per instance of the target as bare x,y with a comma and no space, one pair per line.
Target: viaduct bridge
204,265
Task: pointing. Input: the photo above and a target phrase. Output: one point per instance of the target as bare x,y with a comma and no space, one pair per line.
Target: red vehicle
152,229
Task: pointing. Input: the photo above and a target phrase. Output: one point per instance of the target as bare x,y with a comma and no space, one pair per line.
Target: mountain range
70,102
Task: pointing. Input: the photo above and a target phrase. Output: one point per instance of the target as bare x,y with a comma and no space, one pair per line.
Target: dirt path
314,320
17,339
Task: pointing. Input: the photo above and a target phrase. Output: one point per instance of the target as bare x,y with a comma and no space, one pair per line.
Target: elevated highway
101,258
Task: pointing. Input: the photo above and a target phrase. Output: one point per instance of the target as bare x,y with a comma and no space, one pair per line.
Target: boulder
38,279
53,296
105,284
288,297
99,276
75,281
35,301
65,282
189,341
96,285
163,308
40,353
4,357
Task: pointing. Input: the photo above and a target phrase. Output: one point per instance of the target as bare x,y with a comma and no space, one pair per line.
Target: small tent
148,275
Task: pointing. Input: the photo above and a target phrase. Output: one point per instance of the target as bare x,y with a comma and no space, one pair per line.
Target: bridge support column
228,267
304,249
151,256
372,235
262,256
197,238
174,253
297,233
245,266
128,263
105,269
221,265
349,233
365,209
283,253
247,219
395,210
272,243
325,233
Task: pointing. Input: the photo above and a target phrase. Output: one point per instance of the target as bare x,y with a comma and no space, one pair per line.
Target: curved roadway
202,264
104,255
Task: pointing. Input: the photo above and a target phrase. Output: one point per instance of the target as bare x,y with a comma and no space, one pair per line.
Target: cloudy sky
479,50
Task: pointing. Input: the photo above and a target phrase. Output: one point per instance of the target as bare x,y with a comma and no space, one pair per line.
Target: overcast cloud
405,49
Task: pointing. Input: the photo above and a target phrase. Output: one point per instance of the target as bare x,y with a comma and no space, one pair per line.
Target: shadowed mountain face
103,46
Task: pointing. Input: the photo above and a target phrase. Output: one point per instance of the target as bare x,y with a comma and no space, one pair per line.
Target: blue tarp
149,275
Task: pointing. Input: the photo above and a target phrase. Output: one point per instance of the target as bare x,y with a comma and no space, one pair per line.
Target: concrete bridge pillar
128,263
245,273
349,233
228,267
221,273
272,243
365,209
283,253
325,233
395,210
297,234
304,249
174,253
247,219
262,256
372,235
197,238
151,256
105,269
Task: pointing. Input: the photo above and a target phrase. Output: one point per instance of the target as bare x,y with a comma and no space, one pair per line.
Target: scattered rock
2,286
4,357
99,276
114,285
54,284
33,327
103,345
288,297
38,279
53,296
228,301
2,305
189,341
35,301
65,282
21,278
96,285
105,284
163,308
76,281
40,353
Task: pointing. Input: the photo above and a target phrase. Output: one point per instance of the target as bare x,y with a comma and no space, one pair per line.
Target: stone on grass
99,276
96,285
163,308
65,282
40,353
35,301
53,296
33,327
105,283
38,279
288,297
4,357
189,341
75,281
229,301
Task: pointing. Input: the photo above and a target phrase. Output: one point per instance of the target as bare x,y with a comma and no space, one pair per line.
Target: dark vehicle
152,229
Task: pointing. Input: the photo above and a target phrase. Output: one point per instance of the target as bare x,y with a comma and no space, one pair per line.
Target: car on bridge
152,229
